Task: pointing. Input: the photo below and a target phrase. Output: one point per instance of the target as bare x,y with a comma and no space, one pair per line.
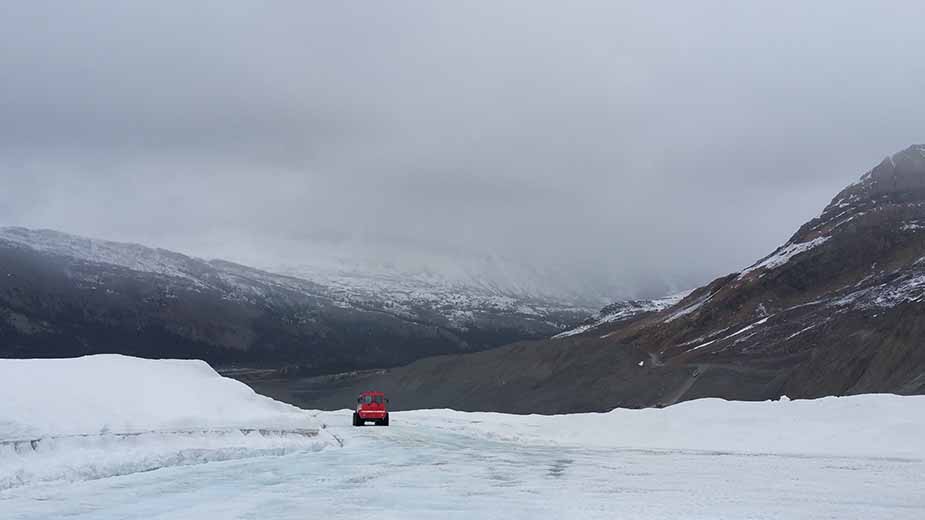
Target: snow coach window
368,399
378,399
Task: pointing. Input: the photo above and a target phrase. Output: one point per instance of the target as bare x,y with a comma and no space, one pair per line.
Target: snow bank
865,426
107,415
112,393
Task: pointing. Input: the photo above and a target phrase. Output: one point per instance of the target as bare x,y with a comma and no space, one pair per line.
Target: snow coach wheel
385,422
356,419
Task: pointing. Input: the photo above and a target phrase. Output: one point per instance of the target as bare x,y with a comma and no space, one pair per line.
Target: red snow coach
371,406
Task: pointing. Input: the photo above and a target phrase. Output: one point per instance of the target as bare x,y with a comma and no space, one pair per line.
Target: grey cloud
626,142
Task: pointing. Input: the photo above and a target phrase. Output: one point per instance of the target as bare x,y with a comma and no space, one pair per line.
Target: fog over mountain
621,148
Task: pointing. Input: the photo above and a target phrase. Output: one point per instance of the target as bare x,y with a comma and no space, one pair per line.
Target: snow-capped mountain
871,231
224,307
838,309
402,293
131,256
369,267
456,295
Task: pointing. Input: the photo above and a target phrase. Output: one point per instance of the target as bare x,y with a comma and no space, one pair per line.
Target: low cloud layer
634,144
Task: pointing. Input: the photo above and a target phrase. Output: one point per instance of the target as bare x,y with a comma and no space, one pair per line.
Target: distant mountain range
838,309
65,295
402,270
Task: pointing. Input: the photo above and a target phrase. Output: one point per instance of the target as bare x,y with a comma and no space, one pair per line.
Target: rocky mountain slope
622,312
64,295
836,310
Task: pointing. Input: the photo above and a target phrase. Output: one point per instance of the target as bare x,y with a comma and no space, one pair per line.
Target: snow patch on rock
734,334
690,308
886,295
625,310
783,255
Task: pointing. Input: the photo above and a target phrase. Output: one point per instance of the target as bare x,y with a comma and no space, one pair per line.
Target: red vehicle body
371,406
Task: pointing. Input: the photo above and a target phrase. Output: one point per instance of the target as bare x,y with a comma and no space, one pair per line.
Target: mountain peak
897,182
901,172
838,309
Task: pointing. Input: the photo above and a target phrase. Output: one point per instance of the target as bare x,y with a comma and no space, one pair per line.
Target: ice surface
856,457
112,437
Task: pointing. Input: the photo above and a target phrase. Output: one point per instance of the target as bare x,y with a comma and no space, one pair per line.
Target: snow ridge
784,255
624,311
129,256
399,294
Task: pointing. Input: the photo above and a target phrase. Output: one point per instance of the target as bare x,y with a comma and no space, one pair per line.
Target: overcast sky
623,141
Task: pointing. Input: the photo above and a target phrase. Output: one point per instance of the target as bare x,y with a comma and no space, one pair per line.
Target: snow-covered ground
856,457
108,415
